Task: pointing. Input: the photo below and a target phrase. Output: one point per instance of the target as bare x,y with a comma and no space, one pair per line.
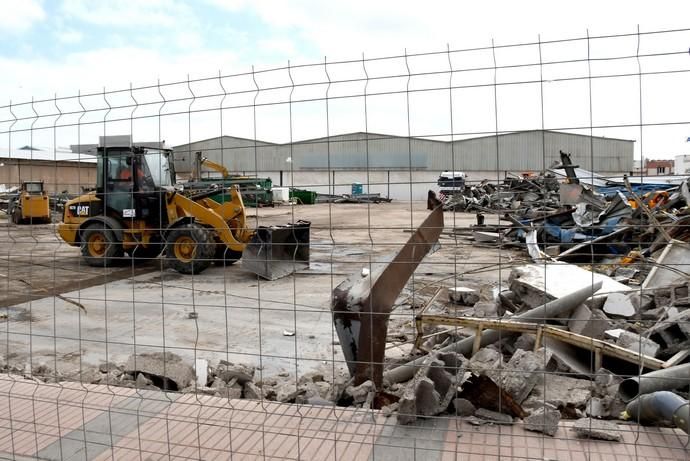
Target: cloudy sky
61,47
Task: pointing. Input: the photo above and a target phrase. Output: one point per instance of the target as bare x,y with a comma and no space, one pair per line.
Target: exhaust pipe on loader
277,251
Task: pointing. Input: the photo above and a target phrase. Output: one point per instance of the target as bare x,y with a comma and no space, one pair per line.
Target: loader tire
190,248
225,256
99,246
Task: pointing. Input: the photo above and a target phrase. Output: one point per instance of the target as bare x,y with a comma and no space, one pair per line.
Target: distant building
658,167
403,167
682,164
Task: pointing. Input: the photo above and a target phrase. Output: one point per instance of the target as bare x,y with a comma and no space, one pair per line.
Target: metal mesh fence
460,254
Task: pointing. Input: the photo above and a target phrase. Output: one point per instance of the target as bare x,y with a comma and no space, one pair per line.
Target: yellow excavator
136,209
31,206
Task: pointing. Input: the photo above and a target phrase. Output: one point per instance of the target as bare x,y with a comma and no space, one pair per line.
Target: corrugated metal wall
521,151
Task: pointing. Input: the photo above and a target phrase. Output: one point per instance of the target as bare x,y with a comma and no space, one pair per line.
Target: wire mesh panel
461,254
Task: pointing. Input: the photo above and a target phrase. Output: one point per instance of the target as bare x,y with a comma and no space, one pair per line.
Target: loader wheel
190,248
99,247
225,256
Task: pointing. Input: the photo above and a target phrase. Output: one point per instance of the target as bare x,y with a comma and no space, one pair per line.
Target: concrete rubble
597,429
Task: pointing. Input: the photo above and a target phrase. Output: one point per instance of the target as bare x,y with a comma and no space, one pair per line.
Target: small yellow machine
136,209
31,206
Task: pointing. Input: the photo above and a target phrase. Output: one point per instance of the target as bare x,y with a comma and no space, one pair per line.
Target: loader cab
132,182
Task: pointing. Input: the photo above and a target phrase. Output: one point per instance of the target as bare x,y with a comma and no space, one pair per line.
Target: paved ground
94,422
146,308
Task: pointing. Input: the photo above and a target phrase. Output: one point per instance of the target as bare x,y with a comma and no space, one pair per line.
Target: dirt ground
279,325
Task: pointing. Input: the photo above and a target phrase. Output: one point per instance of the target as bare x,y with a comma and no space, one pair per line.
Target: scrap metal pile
518,194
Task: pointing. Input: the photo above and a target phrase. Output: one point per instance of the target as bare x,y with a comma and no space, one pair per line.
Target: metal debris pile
519,194
558,342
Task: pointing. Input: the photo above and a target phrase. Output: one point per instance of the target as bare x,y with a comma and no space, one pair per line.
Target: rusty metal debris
361,304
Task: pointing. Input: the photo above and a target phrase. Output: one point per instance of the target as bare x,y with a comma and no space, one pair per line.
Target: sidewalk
95,422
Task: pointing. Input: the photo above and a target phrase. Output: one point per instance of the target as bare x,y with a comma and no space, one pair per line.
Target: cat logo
82,210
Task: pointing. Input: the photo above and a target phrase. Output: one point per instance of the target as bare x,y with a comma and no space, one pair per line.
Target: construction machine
31,206
256,191
136,209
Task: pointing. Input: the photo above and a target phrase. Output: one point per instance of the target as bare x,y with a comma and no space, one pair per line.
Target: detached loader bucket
277,251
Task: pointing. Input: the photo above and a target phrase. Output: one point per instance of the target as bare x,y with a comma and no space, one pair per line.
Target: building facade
403,167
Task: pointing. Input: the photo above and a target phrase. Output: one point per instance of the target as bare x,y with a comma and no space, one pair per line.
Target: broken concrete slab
638,343
463,296
494,416
619,305
560,391
167,370
536,284
544,420
597,429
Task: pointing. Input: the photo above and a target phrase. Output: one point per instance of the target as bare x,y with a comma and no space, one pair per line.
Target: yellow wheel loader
136,209
31,206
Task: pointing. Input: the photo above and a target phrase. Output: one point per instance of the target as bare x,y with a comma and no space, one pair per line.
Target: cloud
20,16
69,36
125,13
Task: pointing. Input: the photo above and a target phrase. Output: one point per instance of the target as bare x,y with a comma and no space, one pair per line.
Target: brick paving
71,421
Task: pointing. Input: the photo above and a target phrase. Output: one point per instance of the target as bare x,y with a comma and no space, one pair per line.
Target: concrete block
597,429
419,398
525,342
596,408
463,295
494,416
544,420
637,343
360,393
521,373
463,407
167,370
432,388
486,310
588,322
486,359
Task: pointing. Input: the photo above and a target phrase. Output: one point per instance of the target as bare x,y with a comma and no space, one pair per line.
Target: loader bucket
277,251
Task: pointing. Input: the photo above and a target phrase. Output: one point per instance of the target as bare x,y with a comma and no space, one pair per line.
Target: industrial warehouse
517,294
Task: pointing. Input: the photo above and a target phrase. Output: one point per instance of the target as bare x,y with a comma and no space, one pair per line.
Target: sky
60,48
